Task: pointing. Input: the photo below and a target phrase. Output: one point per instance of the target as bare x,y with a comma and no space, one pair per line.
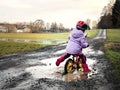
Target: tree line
39,26
35,27
110,16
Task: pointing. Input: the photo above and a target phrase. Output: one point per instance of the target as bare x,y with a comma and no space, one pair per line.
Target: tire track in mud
14,81
15,77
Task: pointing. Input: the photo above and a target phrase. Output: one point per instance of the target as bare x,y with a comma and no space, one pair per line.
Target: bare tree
61,27
39,25
107,16
88,21
94,24
47,26
54,27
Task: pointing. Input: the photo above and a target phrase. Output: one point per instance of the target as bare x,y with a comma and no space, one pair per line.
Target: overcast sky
67,12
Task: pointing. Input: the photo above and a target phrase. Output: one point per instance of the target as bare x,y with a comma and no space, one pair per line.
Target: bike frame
75,59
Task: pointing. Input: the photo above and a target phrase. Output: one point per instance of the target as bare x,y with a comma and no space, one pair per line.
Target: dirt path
36,70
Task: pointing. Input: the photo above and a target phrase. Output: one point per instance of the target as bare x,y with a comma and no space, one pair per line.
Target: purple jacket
76,42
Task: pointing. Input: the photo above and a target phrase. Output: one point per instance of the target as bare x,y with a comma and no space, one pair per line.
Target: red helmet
80,23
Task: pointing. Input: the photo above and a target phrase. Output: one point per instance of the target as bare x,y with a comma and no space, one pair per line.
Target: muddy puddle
48,69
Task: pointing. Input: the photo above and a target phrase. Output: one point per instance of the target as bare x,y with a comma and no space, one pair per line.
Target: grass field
34,35
90,33
113,35
13,47
112,51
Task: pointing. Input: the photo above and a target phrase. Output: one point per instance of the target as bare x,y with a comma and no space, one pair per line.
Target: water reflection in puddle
50,70
76,75
35,41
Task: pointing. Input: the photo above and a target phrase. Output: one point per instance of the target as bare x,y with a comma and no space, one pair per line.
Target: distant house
3,28
23,28
19,30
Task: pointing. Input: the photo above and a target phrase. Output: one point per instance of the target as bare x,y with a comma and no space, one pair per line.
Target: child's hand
85,35
88,45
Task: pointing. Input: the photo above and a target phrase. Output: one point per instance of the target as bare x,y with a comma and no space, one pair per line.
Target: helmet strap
80,28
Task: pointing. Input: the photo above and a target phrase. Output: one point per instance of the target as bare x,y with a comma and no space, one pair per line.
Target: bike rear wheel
68,66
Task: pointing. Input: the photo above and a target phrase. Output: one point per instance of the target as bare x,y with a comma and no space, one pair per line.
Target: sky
67,12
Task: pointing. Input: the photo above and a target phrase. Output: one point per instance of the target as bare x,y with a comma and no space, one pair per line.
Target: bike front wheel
69,66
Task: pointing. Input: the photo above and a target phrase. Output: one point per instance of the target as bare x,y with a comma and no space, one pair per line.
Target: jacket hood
77,33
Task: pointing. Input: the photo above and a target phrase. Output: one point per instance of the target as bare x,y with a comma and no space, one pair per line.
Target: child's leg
84,65
83,57
62,58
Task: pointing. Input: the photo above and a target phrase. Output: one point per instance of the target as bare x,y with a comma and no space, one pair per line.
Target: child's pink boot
85,68
59,60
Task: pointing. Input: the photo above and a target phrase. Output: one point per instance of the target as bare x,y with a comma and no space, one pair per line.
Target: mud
36,70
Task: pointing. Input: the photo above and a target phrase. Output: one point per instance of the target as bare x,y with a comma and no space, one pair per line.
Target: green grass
91,33
34,35
113,35
13,47
112,51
